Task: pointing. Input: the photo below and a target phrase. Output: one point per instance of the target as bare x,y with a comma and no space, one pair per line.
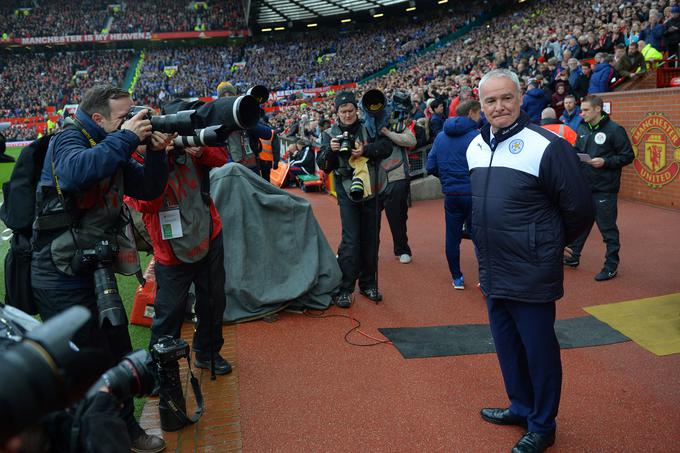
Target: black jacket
529,199
609,141
581,87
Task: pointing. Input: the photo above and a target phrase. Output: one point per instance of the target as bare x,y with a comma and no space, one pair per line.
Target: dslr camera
346,143
167,353
181,122
42,371
99,259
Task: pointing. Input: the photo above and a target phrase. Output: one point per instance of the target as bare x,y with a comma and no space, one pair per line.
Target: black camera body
169,350
99,260
346,143
172,406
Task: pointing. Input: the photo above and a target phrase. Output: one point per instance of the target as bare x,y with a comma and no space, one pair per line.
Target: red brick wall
629,109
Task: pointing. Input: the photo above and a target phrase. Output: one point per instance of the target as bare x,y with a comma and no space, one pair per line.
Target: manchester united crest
656,143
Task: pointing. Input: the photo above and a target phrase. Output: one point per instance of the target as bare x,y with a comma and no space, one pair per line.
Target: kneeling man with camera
80,233
346,151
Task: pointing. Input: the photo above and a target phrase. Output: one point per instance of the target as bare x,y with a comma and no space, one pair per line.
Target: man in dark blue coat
88,168
447,162
535,100
529,199
600,80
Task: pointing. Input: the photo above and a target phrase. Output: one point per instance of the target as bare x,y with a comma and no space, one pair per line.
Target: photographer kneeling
79,234
346,151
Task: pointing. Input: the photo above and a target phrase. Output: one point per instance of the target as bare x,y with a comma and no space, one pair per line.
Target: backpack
18,213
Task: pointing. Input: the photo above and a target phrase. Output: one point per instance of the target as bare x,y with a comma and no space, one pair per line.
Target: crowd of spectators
32,81
291,63
38,18
178,15
20,132
571,47
197,74
25,19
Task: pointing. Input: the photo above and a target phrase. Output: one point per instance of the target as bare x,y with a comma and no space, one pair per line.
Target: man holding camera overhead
346,151
395,198
80,228
186,232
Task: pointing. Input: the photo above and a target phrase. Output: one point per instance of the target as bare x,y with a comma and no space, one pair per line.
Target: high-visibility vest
563,131
267,152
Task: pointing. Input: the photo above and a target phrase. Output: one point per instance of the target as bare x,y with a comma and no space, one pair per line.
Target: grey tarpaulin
275,253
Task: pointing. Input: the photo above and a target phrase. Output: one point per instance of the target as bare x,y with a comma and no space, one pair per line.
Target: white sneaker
405,258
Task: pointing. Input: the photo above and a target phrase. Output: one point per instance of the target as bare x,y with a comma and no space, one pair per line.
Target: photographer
246,146
186,232
79,232
357,254
395,197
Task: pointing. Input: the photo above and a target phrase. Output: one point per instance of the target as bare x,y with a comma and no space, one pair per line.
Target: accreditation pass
171,223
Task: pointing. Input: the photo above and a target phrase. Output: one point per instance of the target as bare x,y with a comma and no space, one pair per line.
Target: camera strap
200,405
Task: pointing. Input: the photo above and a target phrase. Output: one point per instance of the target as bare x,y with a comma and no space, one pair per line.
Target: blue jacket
80,167
653,36
535,100
529,199
436,125
601,78
573,120
447,159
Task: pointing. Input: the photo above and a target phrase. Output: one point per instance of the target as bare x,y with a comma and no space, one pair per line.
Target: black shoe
371,293
501,416
221,365
147,443
343,300
571,262
534,443
605,275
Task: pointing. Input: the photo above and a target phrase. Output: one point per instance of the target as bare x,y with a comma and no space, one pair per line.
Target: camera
346,143
401,107
181,122
166,354
133,376
401,102
100,260
40,369
209,136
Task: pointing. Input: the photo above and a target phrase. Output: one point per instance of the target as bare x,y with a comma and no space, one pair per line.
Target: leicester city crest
516,146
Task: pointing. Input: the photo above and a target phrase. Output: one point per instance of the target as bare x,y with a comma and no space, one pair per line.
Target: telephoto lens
209,136
133,376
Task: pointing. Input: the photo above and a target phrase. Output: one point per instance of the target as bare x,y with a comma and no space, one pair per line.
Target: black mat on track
439,341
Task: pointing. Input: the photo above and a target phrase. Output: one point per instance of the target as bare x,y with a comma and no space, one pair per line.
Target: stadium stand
535,39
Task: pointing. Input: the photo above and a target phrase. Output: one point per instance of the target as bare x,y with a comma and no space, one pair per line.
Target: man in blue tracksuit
447,162
529,199
80,214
